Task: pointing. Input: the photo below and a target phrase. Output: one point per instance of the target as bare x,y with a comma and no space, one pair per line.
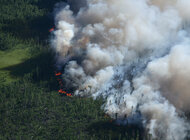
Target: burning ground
133,53
29,104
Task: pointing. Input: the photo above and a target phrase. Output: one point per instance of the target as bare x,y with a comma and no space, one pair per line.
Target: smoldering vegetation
135,54
30,105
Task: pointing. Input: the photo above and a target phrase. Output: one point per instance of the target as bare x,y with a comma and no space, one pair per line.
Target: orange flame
58,74
52,29
61,85
64,92
69,94
61,91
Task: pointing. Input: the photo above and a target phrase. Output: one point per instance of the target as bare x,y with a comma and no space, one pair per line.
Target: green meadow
11,58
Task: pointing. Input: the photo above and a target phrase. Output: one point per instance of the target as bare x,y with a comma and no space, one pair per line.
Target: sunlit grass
10,58
13,57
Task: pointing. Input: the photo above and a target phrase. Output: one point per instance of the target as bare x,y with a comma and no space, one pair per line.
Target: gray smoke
133,53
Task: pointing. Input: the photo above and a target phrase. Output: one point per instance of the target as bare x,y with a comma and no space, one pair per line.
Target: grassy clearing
11,58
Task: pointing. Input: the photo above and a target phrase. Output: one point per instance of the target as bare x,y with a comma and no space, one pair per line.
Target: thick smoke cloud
133,53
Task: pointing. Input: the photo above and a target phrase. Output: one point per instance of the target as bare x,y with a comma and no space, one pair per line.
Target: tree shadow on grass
38,69
110,130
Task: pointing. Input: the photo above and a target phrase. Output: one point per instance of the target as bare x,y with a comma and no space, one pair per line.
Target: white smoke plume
133,53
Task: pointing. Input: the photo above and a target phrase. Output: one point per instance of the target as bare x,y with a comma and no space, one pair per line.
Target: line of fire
61,91
59,79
